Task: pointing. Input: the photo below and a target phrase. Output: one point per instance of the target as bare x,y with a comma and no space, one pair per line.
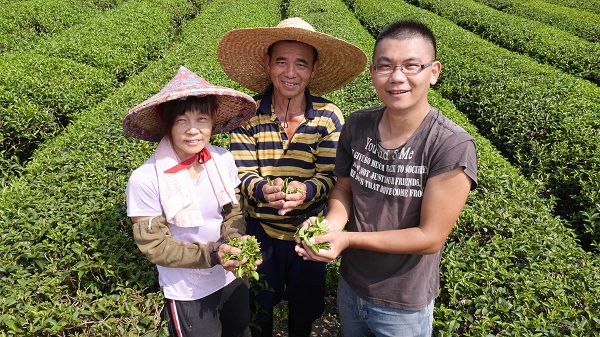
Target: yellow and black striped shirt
262,150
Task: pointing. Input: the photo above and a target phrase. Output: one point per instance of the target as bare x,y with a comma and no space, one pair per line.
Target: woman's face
190,133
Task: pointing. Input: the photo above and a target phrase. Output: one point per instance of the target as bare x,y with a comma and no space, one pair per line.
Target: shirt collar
266,101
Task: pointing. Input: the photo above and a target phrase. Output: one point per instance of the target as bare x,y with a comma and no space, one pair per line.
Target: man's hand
337,241
273,192
295,198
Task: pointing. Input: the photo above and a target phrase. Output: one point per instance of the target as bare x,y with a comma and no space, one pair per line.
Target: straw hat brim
241,51
233,109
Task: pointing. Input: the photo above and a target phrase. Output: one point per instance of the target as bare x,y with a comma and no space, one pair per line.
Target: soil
326,326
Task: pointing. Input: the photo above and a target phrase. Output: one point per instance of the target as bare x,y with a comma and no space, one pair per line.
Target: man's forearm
340,204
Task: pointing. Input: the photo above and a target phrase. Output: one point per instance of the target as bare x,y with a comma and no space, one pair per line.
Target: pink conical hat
233,107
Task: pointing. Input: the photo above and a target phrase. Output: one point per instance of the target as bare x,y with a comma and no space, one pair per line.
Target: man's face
399,92
291,67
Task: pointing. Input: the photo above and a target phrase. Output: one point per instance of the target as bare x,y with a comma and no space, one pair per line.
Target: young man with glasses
404,174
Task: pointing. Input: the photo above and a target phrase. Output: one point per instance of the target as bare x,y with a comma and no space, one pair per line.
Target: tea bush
542,42
578,22
23,23
38,96
69,266
122,40
119,42
586,5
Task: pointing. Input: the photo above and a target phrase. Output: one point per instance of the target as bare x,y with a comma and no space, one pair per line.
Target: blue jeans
361,318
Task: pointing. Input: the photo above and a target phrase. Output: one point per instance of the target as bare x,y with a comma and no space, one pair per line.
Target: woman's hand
230,264
251,255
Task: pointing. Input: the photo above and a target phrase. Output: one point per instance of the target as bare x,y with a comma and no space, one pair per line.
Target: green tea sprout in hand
318,227
250,248
287,189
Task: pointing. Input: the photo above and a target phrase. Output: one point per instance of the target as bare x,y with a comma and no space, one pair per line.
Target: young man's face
400,92
291,67
190,133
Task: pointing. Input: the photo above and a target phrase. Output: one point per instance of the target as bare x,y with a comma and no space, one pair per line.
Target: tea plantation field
522,76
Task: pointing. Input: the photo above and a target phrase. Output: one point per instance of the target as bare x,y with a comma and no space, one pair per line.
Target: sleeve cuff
258,191
213,253
311,189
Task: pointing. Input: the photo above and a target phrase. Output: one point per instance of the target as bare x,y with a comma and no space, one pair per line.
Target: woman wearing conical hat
184,203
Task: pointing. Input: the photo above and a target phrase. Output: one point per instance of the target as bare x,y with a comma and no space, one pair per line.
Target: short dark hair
404,29
315,52
171,109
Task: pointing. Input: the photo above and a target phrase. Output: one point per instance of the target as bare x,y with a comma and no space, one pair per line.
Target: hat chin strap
285,123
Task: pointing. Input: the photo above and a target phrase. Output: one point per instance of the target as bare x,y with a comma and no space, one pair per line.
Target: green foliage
23,23
543,42
318,226
586,5
39,95
577,22
287,189
250,248
124,39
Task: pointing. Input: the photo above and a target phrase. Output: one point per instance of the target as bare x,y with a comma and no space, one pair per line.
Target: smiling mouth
397,92
289,84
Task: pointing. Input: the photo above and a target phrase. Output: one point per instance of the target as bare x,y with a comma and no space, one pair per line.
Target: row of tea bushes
578,22
38,96
543,120
124,39
497,276
76,68
592,6
542,42
24,22
68,263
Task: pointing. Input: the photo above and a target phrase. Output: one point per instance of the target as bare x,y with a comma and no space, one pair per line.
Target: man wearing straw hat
286,153
185,205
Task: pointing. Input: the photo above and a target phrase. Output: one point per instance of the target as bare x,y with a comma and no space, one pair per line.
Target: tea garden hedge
521,261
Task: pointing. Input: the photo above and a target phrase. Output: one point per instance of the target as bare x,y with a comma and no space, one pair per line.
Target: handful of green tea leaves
250,249
318,227
287,189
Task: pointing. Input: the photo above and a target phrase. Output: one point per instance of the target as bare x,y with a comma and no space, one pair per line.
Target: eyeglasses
408,69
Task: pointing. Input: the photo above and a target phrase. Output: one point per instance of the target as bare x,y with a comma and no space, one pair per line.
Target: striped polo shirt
262,150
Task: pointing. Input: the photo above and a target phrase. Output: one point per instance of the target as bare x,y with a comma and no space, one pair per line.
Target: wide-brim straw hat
233,107
241,51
